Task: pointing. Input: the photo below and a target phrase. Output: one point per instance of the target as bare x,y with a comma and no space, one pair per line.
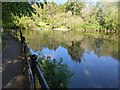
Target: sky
60,1
64,1
56,1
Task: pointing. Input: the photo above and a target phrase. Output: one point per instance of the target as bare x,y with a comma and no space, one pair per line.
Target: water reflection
93,71
75,51
98,43
93,59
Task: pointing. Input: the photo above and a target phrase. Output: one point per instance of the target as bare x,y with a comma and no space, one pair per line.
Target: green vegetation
70,15
55,72
13,11
74,16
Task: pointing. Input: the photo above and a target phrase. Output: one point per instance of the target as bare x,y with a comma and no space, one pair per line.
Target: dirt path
12,76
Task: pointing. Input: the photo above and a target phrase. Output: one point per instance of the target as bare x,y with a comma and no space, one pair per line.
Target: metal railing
33,71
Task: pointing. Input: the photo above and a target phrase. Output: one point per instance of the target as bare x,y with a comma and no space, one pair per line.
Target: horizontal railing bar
41,78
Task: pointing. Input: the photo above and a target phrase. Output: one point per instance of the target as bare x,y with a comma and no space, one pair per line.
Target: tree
11,9
100,14
111,15
74,7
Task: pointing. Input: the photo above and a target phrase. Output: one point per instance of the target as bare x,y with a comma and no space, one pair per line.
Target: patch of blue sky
60,1
64,1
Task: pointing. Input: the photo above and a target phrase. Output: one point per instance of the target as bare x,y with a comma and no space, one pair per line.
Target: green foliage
74,7
71,15
10,9
111,15
17,9
100,14
55,72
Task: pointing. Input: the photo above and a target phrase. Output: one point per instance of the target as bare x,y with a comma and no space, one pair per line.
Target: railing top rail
40,76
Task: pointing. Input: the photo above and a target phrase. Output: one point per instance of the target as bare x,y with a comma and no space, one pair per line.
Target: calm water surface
94,60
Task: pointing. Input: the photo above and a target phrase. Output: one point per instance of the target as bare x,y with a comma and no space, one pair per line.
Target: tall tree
100,14
74,7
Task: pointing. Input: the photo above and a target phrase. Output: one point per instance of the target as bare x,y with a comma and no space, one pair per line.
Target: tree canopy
19,9
71,15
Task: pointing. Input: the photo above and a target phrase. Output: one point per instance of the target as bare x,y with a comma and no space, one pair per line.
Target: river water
92,58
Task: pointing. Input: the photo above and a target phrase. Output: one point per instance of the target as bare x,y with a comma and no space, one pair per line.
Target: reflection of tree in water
106,48
75,51
98,44
54,44
52,40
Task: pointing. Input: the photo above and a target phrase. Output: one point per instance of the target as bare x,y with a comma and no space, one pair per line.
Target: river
92,58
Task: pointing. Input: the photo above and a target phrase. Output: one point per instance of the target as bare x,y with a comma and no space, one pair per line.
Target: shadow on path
12,76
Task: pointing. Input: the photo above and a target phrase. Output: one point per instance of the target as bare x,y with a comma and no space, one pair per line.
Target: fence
36,78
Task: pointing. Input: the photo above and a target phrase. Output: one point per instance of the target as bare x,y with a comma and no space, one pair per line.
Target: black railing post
36,71
33,63
23,42
21,35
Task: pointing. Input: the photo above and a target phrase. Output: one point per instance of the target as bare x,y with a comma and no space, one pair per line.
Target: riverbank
60,29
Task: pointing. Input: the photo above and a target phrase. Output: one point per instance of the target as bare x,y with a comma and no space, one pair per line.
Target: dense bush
55,72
